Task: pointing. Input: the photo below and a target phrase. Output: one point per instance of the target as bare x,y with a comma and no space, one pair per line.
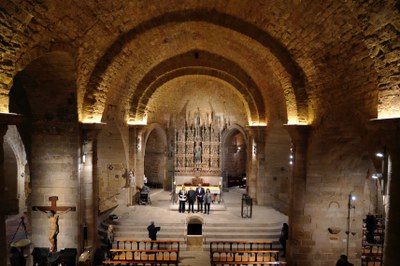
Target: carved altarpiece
198,143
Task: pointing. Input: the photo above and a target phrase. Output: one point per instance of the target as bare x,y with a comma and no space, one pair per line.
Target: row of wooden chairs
243,253
145,252
147,244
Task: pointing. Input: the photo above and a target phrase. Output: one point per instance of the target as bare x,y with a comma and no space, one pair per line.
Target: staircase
129,229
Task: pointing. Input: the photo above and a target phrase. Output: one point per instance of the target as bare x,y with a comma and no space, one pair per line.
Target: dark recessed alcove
194,229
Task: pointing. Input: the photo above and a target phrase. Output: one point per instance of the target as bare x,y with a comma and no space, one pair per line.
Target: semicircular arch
92,96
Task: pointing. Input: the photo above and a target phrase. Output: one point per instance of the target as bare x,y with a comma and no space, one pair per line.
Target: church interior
296,103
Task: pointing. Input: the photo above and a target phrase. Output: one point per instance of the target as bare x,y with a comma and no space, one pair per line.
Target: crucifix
53,219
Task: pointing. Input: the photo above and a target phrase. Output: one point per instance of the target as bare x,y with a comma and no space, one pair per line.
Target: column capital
90,130
385,133
257,132
298,132
10,119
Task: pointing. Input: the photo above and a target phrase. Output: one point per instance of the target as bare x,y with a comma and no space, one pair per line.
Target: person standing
284,237
200,197
109,239
370,224
182,196
17,258
191,196
207,201
152,229
343,261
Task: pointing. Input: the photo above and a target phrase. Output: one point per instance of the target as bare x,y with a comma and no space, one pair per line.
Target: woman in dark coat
284,237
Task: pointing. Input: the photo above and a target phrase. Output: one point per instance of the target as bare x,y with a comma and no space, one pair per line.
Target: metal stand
247,206
348,231
21,223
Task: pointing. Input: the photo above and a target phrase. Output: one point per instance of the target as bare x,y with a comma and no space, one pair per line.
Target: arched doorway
234,158
155,158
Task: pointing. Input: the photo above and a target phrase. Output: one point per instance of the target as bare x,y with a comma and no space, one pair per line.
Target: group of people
201,195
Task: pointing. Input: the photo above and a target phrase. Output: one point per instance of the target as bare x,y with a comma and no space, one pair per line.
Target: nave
223,223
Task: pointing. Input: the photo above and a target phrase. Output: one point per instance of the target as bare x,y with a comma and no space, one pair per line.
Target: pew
372,255
241,245
237,257
144,252
146,244
155,256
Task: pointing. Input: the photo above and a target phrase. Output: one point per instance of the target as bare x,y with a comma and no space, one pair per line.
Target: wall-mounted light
84,157
291,156
254,148
376,175
139,143
84,153
380,154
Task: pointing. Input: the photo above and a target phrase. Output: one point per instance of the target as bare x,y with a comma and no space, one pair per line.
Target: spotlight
379,154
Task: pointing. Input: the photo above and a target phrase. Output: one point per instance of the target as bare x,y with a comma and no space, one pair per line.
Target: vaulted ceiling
288,60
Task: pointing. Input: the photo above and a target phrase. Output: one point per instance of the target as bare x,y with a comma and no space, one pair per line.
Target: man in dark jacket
152,232
370,224
191,199
343,261
200,197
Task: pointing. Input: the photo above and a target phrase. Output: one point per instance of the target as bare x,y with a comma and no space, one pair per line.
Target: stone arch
17,148
92,103
194,225
234,155
34,54
204,64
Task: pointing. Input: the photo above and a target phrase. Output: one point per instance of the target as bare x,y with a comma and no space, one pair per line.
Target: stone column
388,131
5,120
89,185
136,156
297,191
136,151
255,159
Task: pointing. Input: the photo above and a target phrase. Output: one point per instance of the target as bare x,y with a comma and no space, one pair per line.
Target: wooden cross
53,206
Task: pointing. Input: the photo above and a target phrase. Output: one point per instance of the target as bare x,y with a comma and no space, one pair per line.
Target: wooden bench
135,263
233,257
372,254
155,256
241,245
147,244
251,263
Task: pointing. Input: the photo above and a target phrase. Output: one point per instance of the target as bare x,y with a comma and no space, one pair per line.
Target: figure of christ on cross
53,219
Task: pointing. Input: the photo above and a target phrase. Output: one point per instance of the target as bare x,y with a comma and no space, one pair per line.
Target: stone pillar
136,151
255,159
388,131
5,120
297,191
89,185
